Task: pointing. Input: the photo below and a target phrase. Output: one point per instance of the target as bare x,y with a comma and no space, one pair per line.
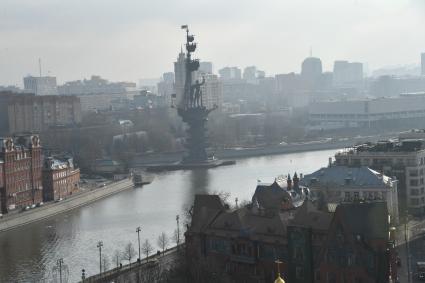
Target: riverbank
29,253
16,220
153,159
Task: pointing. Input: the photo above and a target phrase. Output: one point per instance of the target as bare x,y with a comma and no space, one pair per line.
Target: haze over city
227,141
129,40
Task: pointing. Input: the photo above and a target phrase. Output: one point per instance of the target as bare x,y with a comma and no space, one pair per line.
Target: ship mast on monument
192,110
190,107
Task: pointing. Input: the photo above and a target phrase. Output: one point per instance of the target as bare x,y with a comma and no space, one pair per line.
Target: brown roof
205,209
309,216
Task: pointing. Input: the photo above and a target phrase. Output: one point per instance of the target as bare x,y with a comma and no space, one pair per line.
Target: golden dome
279,280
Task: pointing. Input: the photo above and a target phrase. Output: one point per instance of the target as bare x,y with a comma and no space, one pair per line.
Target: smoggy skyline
128,40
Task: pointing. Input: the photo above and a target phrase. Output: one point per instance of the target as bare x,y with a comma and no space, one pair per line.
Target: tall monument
191,108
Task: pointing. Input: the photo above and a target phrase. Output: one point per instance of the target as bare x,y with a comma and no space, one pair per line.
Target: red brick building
60,179
350,245
244,243
357,248
20,172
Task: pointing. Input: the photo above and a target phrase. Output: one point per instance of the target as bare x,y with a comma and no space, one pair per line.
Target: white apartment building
94,102
212,91
41,85
364,113
405,160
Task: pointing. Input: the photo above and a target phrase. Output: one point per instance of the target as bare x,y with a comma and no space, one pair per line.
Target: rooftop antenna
311,51
39,66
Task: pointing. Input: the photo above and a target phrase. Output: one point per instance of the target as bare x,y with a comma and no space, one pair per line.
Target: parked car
40,204
32,206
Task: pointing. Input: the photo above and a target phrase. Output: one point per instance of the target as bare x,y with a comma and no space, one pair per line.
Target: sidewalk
135,267
51,209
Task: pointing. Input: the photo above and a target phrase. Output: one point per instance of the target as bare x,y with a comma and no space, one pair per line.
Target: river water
28,254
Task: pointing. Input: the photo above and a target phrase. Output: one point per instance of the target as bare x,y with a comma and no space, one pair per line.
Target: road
415,248
50,209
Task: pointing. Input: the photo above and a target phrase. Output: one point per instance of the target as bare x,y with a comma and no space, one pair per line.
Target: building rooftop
205,209
309,216
212,217
344,176
277,195
396,146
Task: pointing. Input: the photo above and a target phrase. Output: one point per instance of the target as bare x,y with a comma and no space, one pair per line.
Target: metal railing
117,271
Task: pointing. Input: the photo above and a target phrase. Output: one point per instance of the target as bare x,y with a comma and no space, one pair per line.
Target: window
331,277
414,192
414,201
356,195
298,254
351,259
347,195
317,275
299,272
414,182
413,173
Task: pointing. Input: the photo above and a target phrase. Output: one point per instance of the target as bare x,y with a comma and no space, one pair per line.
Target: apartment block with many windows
404,159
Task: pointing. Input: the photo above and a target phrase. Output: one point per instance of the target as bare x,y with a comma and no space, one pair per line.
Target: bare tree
163,242
129,252
116,257
147,248
224,196
105,263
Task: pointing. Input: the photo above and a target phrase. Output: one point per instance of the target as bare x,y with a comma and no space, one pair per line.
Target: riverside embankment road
51,209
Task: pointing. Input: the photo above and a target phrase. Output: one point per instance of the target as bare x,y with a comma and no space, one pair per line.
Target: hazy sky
132,39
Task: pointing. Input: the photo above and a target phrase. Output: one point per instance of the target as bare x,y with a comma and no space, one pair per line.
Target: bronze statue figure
197,92
192,110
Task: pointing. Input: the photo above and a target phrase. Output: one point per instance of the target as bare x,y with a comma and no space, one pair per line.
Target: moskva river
30,253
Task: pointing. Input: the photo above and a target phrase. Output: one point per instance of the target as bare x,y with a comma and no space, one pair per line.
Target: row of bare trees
129,253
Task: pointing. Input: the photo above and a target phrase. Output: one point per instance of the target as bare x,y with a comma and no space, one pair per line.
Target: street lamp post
59,263
138,239
178,229
406,239
100,245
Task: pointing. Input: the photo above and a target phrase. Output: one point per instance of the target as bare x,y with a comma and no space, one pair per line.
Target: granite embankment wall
51,209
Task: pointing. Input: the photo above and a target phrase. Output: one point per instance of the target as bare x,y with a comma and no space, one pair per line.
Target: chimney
289,182
330,161
296,180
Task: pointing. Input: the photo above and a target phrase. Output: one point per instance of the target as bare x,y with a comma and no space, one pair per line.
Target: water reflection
199,181
28,254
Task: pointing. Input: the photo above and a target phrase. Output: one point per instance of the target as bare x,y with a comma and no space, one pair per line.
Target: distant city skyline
126,40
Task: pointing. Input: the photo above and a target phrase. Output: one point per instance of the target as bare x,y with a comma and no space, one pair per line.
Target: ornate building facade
60,179
282,224
20,168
